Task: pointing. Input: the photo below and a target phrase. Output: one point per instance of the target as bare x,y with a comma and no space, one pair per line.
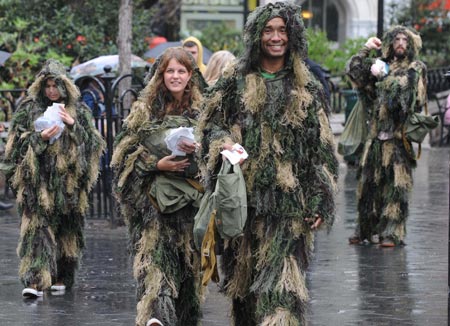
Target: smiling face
176,77
274,39
51,91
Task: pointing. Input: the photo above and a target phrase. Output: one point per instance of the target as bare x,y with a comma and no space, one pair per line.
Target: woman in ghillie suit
158,192
52,180
388,158
270,103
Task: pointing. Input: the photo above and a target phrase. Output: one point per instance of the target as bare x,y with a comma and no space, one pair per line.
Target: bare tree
124,40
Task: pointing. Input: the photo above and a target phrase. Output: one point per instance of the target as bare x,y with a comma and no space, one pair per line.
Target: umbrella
152,54
4,56
95,66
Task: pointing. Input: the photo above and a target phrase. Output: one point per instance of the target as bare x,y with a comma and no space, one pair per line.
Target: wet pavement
349,285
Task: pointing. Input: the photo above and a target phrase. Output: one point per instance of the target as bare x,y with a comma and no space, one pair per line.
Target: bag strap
208,254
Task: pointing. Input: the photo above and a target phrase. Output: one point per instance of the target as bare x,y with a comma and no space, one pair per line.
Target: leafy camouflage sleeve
358,72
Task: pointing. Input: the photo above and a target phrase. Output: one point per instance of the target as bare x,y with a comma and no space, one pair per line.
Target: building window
322,14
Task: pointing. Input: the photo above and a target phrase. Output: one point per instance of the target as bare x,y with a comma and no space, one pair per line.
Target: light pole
380,19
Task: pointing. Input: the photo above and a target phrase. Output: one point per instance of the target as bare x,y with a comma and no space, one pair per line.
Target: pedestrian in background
217,63
269,102
195,48
51,180
394,86
159,192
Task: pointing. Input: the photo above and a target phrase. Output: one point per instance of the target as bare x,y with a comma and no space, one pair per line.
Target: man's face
274,39
192,50
400,45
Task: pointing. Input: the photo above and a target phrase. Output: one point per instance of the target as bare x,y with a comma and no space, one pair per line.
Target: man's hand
48,133
373,43
168,163
230,148
315,221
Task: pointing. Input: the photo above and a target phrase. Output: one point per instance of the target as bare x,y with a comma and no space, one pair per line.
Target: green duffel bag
227,204
419,125
355,131
202,218
230,198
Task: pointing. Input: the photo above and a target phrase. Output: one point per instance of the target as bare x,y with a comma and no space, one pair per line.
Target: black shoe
5,206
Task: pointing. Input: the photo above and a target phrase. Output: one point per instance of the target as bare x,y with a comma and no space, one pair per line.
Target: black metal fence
117,107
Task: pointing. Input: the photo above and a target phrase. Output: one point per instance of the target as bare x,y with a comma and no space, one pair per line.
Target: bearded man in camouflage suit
271,103
393,91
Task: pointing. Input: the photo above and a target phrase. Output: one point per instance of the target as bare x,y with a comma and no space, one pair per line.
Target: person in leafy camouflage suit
147,177
51,180
388,159
271,103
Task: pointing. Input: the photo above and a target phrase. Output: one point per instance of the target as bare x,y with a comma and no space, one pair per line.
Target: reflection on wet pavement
369,285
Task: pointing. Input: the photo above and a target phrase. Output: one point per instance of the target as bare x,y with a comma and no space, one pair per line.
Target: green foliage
328,54
71,31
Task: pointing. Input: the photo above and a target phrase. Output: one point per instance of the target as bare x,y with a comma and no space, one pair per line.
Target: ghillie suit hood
291,14
414,43
67,89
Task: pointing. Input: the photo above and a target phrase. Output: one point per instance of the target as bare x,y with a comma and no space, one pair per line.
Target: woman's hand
48,133
168,163
187,146
65,116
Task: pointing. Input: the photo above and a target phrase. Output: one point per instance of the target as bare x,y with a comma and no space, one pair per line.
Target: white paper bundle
49,119
175,136
235,154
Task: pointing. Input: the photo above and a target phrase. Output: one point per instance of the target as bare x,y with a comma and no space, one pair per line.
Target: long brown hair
156,94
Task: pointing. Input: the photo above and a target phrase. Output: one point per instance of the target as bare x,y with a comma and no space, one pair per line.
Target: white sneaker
58,287
153,322
31,293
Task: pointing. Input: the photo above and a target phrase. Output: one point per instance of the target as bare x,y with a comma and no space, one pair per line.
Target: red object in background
81,39
157,40
438,4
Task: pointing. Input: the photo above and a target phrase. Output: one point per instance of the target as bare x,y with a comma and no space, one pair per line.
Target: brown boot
387,243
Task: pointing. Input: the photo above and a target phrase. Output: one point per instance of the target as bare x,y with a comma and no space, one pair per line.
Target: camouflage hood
53,69
414,42
256,21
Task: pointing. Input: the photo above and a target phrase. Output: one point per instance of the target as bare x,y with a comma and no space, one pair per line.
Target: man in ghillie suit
51,180
270,103
393,89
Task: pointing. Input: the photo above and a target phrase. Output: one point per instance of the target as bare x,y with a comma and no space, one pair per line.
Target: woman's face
51,91
176,77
